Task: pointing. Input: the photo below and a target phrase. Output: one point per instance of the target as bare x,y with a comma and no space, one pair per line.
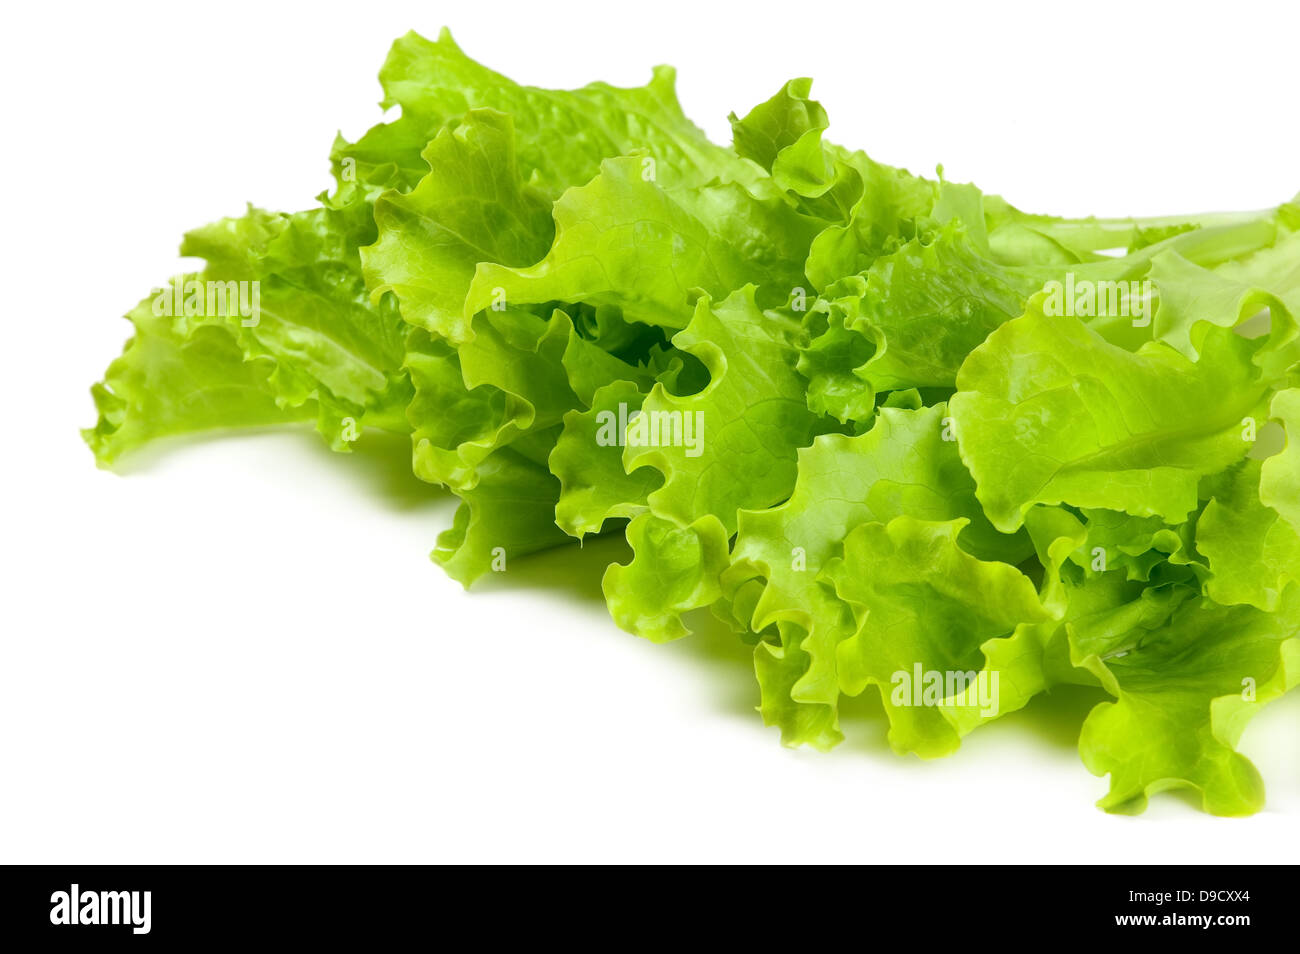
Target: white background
238,650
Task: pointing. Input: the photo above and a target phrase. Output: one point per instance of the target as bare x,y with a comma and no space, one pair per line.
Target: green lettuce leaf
924,607
1184,691
1048,412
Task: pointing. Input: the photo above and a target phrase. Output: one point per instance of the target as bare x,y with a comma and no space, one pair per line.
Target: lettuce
900,436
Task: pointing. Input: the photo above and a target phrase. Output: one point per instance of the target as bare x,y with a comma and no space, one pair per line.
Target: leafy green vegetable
899,435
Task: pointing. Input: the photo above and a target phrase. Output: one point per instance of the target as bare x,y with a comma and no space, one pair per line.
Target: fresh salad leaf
900,436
